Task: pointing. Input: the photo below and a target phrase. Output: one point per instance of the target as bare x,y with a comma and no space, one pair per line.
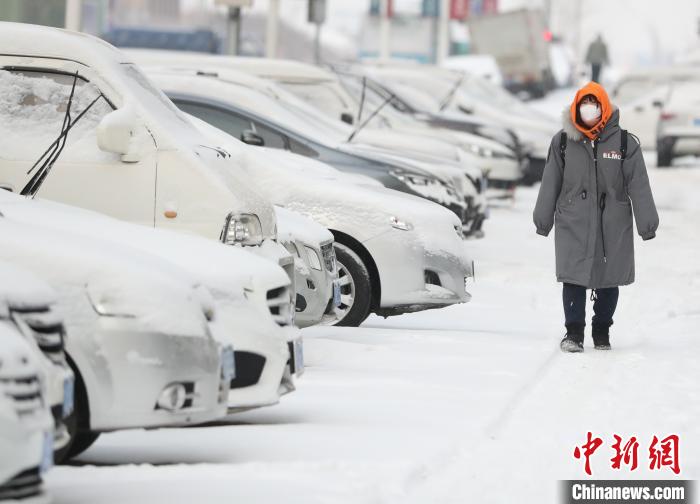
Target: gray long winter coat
590,205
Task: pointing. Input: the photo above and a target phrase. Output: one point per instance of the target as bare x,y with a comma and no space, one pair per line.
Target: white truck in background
518,41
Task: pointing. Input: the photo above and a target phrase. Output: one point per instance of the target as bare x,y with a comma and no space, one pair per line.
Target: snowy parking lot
473,403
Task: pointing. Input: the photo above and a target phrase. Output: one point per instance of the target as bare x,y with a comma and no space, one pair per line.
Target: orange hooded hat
595,89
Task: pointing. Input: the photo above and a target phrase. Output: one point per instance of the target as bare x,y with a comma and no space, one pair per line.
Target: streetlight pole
273,14
384,30
73,19
443,33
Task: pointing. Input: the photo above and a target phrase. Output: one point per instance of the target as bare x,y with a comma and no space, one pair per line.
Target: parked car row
662,107
171,221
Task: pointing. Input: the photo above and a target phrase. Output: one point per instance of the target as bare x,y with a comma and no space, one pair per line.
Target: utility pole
73,20
317,16
273,14
233,28
384,30
443,32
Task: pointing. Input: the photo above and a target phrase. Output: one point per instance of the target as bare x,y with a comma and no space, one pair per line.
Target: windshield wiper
371,116
448,97
51,154
362,99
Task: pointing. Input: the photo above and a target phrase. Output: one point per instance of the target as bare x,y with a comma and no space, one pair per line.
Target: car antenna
371,116
54,150
448,97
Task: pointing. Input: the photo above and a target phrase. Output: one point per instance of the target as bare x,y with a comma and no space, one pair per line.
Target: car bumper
415,276
261,353
25,445
129,369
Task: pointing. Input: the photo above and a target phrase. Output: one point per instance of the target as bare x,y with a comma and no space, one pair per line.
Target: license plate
228,364
68,396
298,357
336,293
46,453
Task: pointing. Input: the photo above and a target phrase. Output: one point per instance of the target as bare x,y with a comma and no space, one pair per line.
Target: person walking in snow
597,56
594,178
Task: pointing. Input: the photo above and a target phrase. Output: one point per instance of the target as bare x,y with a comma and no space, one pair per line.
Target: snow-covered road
474,403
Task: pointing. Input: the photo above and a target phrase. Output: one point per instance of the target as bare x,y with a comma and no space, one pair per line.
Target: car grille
46,329
280,306
24,393
24,485
328,253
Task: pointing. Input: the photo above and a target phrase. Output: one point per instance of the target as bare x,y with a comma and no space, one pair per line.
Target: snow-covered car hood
292,225
224,269
22,289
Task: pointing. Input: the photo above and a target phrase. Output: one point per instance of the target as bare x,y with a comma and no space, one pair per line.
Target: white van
82,125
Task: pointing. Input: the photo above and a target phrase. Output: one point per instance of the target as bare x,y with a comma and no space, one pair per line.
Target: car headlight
109,304
314,259
291,248
242,229
481,151
411,179
399,224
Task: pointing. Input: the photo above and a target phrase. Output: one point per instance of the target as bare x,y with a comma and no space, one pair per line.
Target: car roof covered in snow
269,68
24,39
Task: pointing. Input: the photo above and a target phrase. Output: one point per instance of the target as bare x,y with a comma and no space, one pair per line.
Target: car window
225,120
301,149
33,106
272,139
320,95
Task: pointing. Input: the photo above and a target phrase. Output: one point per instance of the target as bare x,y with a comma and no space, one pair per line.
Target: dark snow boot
573,341
601,336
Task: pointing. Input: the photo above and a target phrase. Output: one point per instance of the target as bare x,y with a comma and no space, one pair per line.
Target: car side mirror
347,117
123,133
657,103
252,138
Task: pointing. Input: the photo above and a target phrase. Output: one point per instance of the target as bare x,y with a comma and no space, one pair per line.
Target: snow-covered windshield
33,105
320,95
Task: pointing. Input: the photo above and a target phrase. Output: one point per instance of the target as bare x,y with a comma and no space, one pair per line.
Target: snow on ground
473,403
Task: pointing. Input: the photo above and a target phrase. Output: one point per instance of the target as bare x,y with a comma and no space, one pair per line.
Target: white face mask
590,113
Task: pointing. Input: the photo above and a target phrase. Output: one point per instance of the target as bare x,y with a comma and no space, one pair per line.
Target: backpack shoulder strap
563,140
623,144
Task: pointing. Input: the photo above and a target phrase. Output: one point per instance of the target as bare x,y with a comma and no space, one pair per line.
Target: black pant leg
595,72
574,297
604,306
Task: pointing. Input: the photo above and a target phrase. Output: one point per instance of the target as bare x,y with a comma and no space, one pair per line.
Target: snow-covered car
30,304
266,121
322,89
26,425
641,94
372,226
311,245
76,114
445,97
139,343
482,65
678,131
252,310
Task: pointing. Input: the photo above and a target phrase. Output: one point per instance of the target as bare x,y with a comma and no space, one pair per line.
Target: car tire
71,423
81,442
664,156
355,288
